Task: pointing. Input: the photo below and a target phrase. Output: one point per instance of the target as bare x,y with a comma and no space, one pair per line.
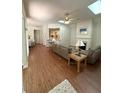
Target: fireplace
86,41
83,47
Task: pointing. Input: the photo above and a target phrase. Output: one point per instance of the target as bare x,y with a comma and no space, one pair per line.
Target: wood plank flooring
47,69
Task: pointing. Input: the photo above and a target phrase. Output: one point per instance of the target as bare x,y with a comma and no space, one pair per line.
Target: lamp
79,43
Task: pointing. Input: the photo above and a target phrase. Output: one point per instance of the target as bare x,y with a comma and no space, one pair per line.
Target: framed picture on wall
83,30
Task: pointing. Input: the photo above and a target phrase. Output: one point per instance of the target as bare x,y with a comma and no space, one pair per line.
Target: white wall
73,29
96,36
84,24
70,34
24,45
45,33
27,43
31,32
25,48
31,29
32,25
76,35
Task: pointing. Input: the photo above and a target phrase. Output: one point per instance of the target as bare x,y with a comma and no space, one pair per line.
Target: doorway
54,33
37,36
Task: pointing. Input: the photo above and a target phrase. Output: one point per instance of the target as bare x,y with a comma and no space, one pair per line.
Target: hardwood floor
46,70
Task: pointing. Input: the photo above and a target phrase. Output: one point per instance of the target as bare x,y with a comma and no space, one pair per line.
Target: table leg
78,66
85,62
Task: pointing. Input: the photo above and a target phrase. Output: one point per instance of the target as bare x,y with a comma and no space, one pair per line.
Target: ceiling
54,10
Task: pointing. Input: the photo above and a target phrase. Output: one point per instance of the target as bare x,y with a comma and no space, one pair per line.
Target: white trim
25,66
84,37
23,91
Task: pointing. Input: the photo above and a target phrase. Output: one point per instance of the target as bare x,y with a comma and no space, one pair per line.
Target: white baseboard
24,91
25,66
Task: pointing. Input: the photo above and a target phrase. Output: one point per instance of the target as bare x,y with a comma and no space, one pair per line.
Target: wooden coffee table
78,59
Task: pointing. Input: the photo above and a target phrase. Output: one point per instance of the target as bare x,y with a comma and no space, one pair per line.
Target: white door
37,36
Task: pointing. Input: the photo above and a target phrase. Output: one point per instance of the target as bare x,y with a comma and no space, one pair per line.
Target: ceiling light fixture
61,21
67,20
64,22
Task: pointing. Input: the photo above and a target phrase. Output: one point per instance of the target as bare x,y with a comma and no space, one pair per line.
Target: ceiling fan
67,19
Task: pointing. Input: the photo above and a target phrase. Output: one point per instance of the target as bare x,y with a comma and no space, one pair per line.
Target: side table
78,59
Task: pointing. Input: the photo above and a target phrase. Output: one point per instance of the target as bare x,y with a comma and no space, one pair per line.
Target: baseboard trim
23,91
25,66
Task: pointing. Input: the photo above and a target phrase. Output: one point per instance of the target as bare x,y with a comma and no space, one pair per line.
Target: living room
84,27
38,64
69,34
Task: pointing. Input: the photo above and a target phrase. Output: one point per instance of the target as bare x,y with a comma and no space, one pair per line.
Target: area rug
63,87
